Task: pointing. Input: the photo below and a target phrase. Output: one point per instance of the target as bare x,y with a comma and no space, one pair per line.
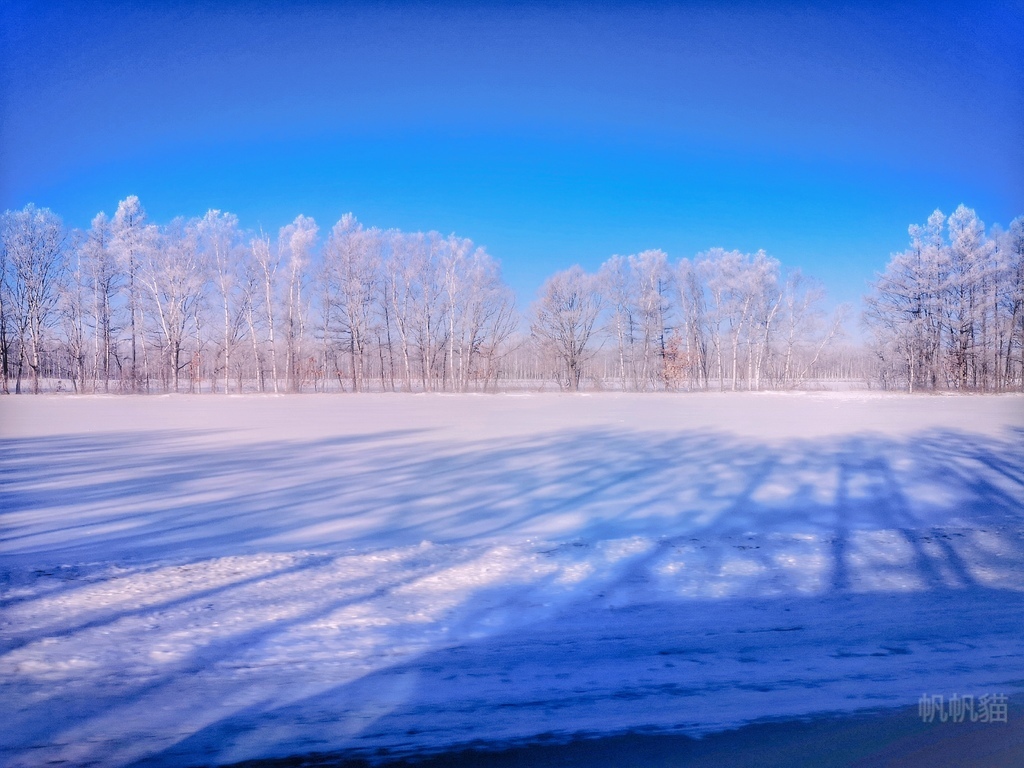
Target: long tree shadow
414,575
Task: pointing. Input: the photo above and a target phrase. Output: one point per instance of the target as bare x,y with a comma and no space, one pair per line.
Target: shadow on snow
852,553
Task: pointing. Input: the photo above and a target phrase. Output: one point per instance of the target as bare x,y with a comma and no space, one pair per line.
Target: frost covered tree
221,241
429,308
102,280
149,302
619,289
801,317
906,312
969,257
32,242
454,258
262,272
945,312
564,319
739,320
478,308
487,319
397,306
73,310
296,242
654,280
132,242
9,319
637,289
1009,298
731,305
422,310
352,260
688,351
399,295
174,274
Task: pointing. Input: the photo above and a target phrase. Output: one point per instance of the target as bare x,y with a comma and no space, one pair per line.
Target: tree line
948,312
201,305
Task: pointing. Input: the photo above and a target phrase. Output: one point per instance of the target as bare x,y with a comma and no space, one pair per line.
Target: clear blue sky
552,135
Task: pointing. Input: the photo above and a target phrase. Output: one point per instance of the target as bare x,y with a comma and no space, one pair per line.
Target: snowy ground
201,580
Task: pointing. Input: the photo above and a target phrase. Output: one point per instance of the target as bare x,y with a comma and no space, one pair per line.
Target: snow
201,580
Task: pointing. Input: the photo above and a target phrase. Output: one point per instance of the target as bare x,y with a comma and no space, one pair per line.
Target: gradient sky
551,134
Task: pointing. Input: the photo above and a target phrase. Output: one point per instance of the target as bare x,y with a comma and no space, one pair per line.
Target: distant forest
201,305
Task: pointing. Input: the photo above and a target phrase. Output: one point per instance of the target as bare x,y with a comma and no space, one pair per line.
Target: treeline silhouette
201,305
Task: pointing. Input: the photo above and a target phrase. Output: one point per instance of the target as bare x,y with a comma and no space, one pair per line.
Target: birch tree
296,242
221,241
9,319
617,284
33,245
400,294
564,319
102,284
265,263
637,289
72,306
689,343
173,274
352,260
131,241
486,318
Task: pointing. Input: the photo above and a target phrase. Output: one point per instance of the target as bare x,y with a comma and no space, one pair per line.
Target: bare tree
564,318
266,261
454,256
33,243
429,312
486,318
10,320
102,282
131,241
72,306
801,313
1010,298
654,281
945,310
297,241
618,285
250,305
221,240
762,282
637,288
400,290
689,342
970,252
352,261
174,274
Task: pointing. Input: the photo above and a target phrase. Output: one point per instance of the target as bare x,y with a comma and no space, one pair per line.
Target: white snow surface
202,580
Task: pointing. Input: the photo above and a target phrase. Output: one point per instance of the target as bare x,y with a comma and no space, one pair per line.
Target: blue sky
552,135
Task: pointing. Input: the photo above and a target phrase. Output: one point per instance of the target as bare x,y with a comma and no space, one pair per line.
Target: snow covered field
202,580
